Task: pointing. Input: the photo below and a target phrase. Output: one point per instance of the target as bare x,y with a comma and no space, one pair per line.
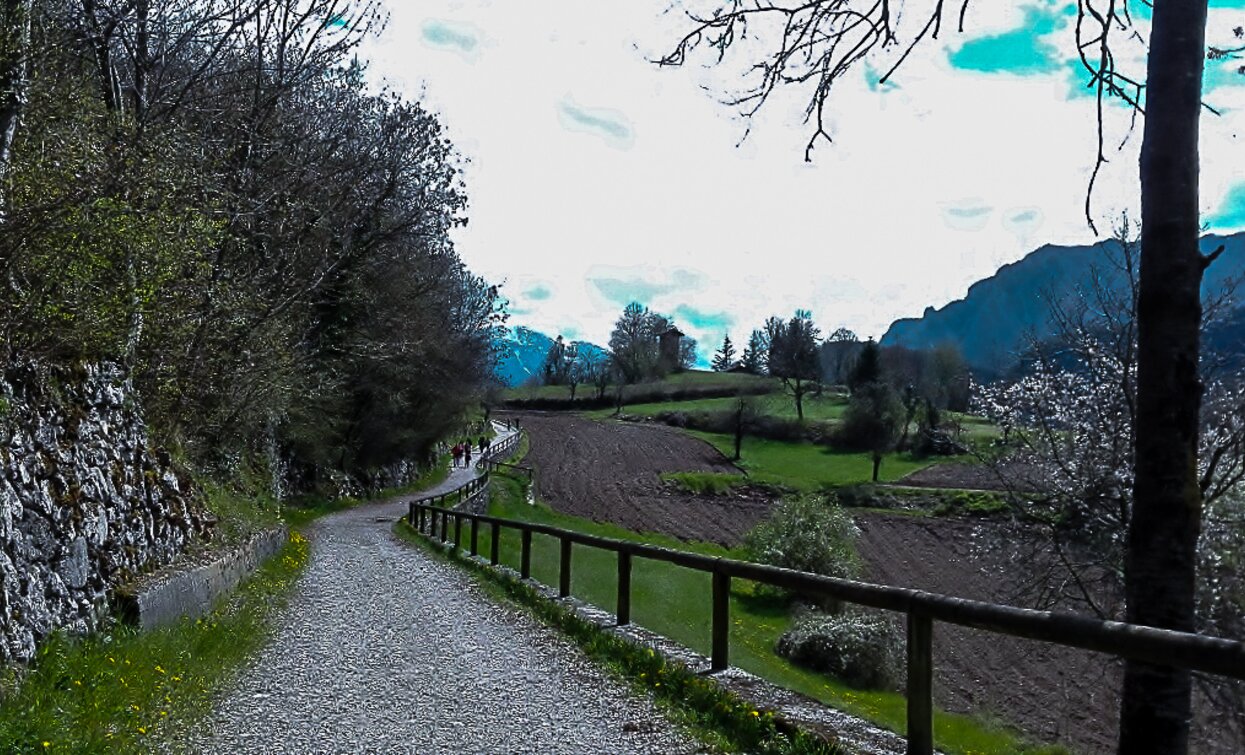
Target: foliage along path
385,649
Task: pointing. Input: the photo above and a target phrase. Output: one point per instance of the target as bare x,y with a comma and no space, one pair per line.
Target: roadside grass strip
675,602
127,691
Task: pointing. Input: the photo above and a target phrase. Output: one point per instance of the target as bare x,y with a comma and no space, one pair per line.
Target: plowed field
609,472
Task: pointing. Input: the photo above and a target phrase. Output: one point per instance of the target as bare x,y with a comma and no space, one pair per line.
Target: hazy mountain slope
991,323
522,354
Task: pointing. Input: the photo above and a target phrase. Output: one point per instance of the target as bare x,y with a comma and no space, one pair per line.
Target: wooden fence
1212,655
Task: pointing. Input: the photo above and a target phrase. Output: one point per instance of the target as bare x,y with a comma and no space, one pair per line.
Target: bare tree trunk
1160,568
14,48
100,41
142,57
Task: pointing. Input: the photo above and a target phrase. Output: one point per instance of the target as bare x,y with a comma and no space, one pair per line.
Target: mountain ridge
522,351
990,324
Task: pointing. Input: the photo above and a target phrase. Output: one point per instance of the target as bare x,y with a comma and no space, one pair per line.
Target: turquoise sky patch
623,291
449,35
711,321
610,125
1231,213
539,292
969,212
1021,51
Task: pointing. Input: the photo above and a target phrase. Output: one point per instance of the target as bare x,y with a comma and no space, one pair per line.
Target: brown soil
609,472
1053,693
954,475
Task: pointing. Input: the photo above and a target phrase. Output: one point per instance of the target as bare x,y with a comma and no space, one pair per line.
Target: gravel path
384,649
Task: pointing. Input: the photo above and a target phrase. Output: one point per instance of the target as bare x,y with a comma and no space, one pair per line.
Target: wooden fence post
525,555
564,573
721,621
495,552
445,525
920,685
475,531
458,530
624,588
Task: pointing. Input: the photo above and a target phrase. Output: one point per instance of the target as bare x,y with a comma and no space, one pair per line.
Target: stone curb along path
384,649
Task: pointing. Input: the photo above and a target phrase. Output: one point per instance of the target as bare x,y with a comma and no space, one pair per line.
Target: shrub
810,533
862,649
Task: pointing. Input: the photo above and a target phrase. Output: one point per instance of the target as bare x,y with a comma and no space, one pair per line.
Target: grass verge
126,690
807,467
675,602
716,716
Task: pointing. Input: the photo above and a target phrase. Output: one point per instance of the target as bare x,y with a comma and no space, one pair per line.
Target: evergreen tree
868,367
725,358
753,360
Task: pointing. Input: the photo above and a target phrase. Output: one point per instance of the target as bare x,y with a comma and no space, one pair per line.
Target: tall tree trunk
142,58
14,48
1160,568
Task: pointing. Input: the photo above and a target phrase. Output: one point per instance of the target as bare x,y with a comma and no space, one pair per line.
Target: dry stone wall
85,502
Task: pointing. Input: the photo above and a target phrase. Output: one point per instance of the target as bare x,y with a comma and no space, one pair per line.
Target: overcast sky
596,178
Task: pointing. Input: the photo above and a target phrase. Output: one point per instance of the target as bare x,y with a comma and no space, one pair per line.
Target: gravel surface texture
384,649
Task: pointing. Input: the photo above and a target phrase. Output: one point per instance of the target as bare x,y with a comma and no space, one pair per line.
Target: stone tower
668,350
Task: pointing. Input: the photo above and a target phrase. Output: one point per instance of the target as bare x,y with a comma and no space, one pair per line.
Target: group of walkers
462,451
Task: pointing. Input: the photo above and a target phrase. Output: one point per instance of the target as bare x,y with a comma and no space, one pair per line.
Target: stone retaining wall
181,591
85,503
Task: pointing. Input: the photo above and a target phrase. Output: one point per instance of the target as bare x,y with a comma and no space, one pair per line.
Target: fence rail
505,446
1163,647
493,466
456,496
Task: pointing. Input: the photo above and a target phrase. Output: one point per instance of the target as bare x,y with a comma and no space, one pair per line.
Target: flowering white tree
1069,432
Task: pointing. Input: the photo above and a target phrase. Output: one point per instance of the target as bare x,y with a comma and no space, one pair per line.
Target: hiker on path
483,444
467,453
457,453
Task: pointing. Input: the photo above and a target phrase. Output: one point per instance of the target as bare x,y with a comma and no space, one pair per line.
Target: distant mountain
992,323
522,354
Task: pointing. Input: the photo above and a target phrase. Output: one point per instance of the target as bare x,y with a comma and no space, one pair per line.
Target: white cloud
860,237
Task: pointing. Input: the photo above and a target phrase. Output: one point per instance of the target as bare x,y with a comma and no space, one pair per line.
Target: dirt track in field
609,472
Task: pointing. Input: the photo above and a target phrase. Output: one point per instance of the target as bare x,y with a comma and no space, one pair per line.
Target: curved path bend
384,649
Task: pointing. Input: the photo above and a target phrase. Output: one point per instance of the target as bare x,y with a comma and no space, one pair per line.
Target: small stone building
668,350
